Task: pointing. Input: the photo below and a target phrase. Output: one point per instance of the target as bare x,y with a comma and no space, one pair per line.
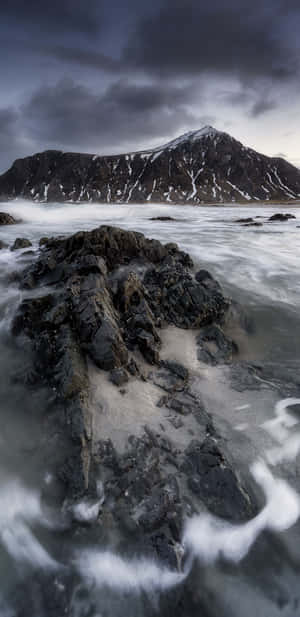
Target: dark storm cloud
84,57
255,102
236,37
73,116
11,142
262,106
62,15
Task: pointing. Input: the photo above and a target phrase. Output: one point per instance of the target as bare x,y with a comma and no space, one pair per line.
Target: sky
111,76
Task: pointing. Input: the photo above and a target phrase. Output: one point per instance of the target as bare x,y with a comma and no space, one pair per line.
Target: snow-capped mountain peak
190,136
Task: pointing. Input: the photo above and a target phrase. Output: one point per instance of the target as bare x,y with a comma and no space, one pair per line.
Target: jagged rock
171,377
211,478
20,243
111,293
279,216
214,347
119,376
7,219
177,297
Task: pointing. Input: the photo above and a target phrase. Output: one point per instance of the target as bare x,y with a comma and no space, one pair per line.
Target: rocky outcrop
20,243
206,166
109,295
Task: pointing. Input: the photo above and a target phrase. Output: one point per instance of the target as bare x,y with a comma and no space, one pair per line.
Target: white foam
19,508
209,538
105,568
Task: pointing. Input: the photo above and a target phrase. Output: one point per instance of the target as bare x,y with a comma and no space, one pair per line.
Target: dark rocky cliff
205,166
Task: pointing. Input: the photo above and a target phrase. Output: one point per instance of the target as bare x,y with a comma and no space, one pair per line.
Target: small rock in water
279,216
162,218
43,241
246,220
20,243
3,245
7,219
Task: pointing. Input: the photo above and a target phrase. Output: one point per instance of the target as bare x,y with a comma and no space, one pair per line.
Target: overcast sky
109,76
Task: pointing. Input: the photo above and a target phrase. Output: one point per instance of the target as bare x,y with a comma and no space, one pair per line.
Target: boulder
211,477
214,347
20,243
7,219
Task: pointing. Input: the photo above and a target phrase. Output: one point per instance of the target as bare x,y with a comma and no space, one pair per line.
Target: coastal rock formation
205,166
20,243
95,336
7,219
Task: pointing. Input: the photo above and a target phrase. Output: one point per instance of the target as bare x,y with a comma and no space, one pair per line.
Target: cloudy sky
109,76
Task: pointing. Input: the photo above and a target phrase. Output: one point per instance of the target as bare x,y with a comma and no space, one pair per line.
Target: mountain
205,166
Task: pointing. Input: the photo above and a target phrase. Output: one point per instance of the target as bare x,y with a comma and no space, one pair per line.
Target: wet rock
253,224
113,291
211,477
184,404
160,505
133,368
3,245
171,376
207,280
245,220
162,218
245,377
7,219
43,241
281,217
119,376
175,296
20,243
214,347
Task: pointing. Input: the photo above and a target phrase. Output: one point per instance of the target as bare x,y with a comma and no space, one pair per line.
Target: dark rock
133,368
176,297
245,377
253,224
170,377
279,216
119,376
20,243
211,477
184,403
246,220
159,504
214,347
3,245
112,292
7,219
162,218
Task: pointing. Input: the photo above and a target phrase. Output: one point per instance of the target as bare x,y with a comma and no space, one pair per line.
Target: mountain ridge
198,167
